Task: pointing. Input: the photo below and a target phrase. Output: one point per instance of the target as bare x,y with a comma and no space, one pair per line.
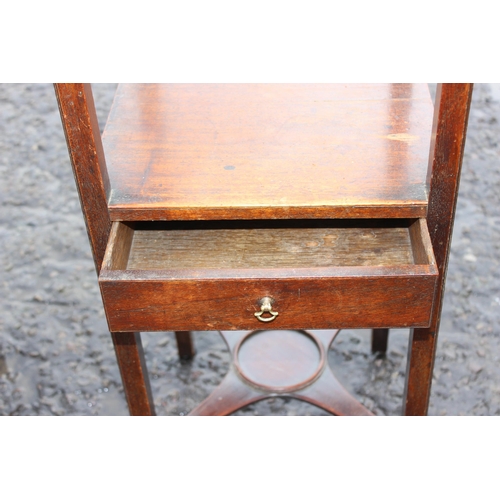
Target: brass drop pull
266,306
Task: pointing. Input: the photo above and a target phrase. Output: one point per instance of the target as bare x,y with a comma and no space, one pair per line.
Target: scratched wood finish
156,301
445,162
79,119
268,248
371,291
234,151
298,147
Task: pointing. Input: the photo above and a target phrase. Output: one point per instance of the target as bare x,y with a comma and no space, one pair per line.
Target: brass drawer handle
266,306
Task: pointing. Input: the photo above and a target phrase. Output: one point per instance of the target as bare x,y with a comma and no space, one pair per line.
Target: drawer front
138,301
336,275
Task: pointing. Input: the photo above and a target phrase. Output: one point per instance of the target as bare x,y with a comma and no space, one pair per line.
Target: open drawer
236,275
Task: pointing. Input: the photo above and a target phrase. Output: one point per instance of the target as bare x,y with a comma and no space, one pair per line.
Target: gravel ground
56,355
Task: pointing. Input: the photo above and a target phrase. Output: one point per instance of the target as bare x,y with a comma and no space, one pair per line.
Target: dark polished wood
380,337
81,128
260,151
152,301
185,345
263,152
130,356
79,119
448,142
369,289
280,363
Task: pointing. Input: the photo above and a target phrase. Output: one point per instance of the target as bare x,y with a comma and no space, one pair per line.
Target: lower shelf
237,275
268,363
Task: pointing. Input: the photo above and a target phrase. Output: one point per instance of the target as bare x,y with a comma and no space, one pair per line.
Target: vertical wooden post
130,356
379,340
445,162
79,119
185,345
81,128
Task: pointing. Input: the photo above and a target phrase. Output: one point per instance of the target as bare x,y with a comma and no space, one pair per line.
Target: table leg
185,345
421,352
130,356
379,340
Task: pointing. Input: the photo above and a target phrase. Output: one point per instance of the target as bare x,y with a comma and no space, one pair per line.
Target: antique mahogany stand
304,208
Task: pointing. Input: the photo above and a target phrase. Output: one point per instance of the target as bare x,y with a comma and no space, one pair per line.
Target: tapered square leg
421,353
130,357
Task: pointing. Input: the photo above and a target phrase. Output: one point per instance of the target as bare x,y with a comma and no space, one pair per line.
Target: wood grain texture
421,243
134,373
79,119
119,244
329,394
229,396
448,142
270,248
167,303
236,391
200,152
279,361
155,292
268,151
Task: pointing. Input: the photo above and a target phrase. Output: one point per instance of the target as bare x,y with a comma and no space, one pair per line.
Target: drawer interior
268,244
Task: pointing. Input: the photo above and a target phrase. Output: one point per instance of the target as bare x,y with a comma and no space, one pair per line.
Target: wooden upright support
81,128
447,148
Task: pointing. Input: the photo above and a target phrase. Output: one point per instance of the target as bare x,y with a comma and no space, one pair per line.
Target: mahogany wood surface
134,373
79,119
81,129
366,293
280,361
157,301
230,395
279,357
448,142
267,151
243,151
421,243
